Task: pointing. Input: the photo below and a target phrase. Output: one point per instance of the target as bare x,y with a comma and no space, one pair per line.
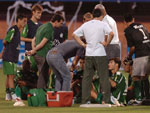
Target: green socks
137,90
99,98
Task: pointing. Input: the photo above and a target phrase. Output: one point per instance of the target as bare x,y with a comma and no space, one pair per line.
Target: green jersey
44,31
119,92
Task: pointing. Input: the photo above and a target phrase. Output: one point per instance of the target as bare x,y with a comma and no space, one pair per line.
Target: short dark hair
97,13
20,16
128,17
117,61
37,7
26,66
57,17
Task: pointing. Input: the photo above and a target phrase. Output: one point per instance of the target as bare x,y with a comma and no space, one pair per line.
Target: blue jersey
29,31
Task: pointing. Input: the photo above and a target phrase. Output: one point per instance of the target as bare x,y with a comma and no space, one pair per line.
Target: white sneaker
19,103
8,97
14,97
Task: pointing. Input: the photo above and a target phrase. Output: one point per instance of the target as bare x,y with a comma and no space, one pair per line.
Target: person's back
113,49
94,32
139,37
11,52
112,24
95,58
69,48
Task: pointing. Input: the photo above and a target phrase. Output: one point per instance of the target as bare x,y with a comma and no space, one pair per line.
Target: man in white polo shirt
113,49
95,58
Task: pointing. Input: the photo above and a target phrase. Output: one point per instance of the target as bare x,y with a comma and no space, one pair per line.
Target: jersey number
145,37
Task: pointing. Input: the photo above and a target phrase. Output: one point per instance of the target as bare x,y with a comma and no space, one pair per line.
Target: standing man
113,49
30,29
95,57
138,41
32,25
41,44
11,53
57,58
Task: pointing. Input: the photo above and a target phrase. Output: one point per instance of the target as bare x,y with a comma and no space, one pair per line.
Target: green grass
7,106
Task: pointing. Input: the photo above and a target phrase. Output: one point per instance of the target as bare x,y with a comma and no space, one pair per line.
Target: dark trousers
100,63
43,69
113,51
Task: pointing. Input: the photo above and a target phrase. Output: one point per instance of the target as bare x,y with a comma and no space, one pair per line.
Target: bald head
102,8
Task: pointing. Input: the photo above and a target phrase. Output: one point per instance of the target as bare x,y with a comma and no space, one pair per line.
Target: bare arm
74,63
33,43
131,51
38,47
79,40
108,40
26,39
1,54
5,42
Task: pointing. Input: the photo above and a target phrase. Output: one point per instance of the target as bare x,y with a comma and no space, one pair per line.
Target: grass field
7,106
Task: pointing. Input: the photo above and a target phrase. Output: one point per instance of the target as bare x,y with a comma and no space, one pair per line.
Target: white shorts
141,66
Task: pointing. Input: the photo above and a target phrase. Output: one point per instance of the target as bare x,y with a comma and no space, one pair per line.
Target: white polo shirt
94,32
112,24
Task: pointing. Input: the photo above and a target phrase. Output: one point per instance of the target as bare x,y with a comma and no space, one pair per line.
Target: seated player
118,83
26,79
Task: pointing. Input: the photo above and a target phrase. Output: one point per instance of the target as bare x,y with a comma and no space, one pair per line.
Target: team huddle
95,45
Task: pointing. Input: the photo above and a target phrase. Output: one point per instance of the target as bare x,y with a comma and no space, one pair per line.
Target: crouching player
25,79
118,83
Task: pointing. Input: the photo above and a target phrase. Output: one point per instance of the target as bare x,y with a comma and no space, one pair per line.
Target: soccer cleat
8,97
18,102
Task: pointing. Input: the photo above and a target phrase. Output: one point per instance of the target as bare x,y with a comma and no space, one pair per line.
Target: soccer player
30,29
95,57
138,41
130,91
113,49
25,80
118,83
11,53
41,44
